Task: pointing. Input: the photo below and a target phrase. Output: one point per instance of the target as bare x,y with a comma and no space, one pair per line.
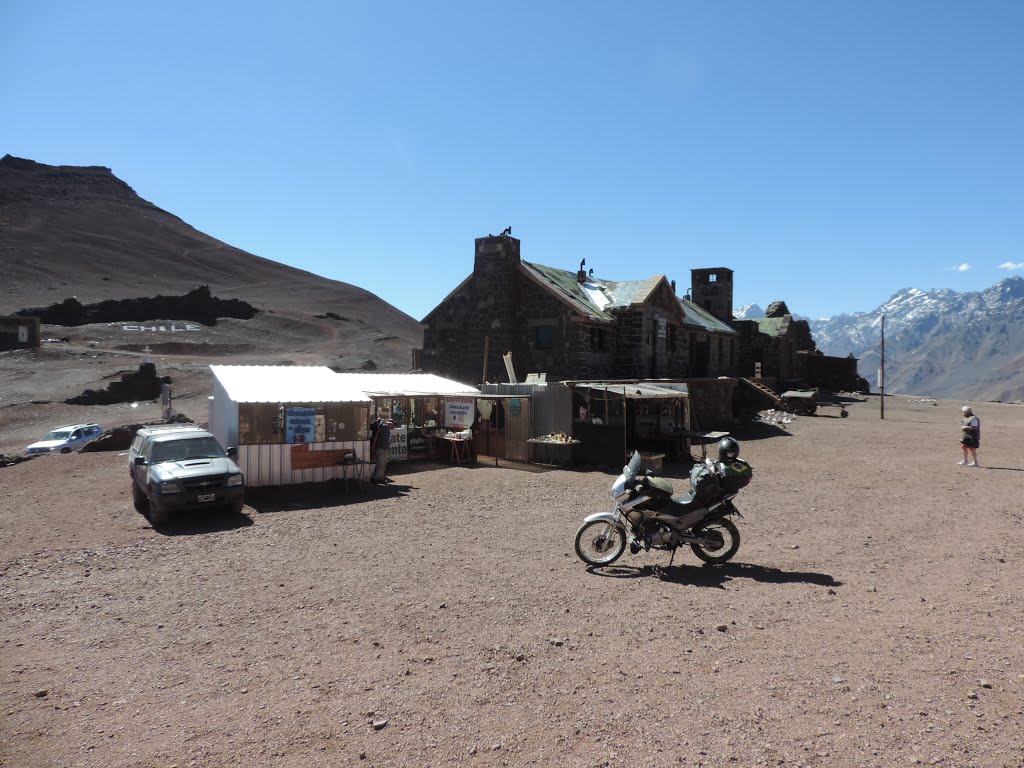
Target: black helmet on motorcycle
728,449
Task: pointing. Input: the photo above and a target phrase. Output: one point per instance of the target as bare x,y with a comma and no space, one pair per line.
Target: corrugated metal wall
518,429
552,410
271,464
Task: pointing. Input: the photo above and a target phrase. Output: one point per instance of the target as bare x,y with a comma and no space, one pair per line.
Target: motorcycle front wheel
600,543
721,540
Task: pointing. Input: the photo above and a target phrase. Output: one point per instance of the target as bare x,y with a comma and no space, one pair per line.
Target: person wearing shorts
970,437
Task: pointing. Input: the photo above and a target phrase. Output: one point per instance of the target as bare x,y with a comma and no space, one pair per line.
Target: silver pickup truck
177,467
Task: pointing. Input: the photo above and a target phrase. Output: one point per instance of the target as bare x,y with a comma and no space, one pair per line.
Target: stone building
569,325
774,341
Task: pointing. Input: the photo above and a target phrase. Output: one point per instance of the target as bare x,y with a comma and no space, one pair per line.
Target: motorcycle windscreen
633,467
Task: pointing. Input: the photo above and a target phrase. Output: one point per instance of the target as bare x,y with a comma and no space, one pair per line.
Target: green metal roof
697,316
599,299
564,283
770,325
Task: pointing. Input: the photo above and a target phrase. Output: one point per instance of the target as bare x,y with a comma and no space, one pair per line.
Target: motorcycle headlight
169,486
235,480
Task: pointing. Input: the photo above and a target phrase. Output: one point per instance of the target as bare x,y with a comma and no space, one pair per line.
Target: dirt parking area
872,616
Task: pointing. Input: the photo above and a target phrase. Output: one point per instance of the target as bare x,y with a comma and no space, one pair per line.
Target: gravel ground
871,617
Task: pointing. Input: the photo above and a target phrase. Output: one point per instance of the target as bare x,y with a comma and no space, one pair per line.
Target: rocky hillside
939,343
80,231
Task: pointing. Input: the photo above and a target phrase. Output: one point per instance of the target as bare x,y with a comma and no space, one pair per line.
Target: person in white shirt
970,437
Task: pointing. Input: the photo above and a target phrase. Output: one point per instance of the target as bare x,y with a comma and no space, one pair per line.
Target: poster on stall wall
300,425
399,444
459,412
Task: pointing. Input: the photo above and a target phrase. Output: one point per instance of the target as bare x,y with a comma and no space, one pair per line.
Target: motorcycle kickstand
662,571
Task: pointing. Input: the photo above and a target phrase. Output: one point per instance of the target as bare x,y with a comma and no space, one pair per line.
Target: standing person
970,440
380,447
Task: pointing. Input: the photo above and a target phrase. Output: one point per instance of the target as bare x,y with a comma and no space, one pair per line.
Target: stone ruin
198,305
143,384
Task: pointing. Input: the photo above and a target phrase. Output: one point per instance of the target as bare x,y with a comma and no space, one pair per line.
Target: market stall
291,424
614,418
433,416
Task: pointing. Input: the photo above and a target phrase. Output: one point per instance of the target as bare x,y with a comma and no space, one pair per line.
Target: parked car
65,439
175,467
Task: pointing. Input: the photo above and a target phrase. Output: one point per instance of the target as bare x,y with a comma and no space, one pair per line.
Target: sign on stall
399,444
459,412
300,425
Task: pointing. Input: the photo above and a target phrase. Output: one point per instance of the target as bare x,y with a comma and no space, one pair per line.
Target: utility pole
881,373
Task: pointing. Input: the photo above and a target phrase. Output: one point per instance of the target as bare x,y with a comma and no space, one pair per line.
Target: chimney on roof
673,284
581,276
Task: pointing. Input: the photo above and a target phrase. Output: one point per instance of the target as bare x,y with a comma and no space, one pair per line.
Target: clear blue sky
830,153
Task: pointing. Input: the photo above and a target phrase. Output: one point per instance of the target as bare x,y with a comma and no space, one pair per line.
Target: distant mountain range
938,343
748,312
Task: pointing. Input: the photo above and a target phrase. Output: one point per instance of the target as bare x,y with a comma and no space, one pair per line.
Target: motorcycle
648,516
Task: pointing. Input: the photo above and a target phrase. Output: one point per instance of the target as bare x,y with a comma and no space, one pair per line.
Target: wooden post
881,373
487,350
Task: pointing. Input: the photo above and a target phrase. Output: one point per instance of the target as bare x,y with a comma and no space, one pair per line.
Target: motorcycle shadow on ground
715,575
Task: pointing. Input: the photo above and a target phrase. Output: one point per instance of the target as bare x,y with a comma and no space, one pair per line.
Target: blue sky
831,153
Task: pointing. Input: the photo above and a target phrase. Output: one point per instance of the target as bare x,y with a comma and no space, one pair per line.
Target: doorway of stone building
700,358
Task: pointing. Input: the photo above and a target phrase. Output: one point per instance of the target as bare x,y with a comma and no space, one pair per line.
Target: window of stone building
598,339
712,278
543,337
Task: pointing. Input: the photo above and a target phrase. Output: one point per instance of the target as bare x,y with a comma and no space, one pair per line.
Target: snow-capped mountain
939,343
748,312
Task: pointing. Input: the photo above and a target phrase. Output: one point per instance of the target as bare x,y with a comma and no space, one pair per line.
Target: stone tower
712,290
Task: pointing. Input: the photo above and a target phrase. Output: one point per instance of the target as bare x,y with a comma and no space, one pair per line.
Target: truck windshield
184,449
57,434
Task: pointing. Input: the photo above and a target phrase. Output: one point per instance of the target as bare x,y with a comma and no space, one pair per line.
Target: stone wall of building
838,374
19,332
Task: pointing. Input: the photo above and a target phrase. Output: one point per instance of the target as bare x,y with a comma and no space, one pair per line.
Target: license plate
207,497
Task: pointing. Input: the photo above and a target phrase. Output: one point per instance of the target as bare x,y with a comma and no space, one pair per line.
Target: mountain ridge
940,342
80,231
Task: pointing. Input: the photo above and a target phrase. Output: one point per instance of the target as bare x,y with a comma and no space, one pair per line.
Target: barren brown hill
80,231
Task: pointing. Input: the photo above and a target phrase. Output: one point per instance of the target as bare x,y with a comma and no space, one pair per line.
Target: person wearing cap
380,448
970,437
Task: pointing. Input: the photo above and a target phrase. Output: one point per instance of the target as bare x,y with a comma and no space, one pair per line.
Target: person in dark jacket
380,448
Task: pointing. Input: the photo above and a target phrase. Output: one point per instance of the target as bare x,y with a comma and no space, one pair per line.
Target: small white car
65,439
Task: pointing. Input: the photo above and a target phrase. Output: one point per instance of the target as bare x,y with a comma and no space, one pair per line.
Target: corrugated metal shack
291,424
513,414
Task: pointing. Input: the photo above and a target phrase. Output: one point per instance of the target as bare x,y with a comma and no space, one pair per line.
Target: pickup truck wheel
140,499
157,516
236,507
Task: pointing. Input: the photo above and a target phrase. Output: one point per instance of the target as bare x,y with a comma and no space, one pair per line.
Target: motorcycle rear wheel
723,539
600,543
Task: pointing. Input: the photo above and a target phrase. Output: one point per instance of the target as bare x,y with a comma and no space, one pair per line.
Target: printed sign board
399,444
300,425
459,412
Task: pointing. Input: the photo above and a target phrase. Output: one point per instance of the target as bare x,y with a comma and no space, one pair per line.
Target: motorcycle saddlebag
735,475
706,485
